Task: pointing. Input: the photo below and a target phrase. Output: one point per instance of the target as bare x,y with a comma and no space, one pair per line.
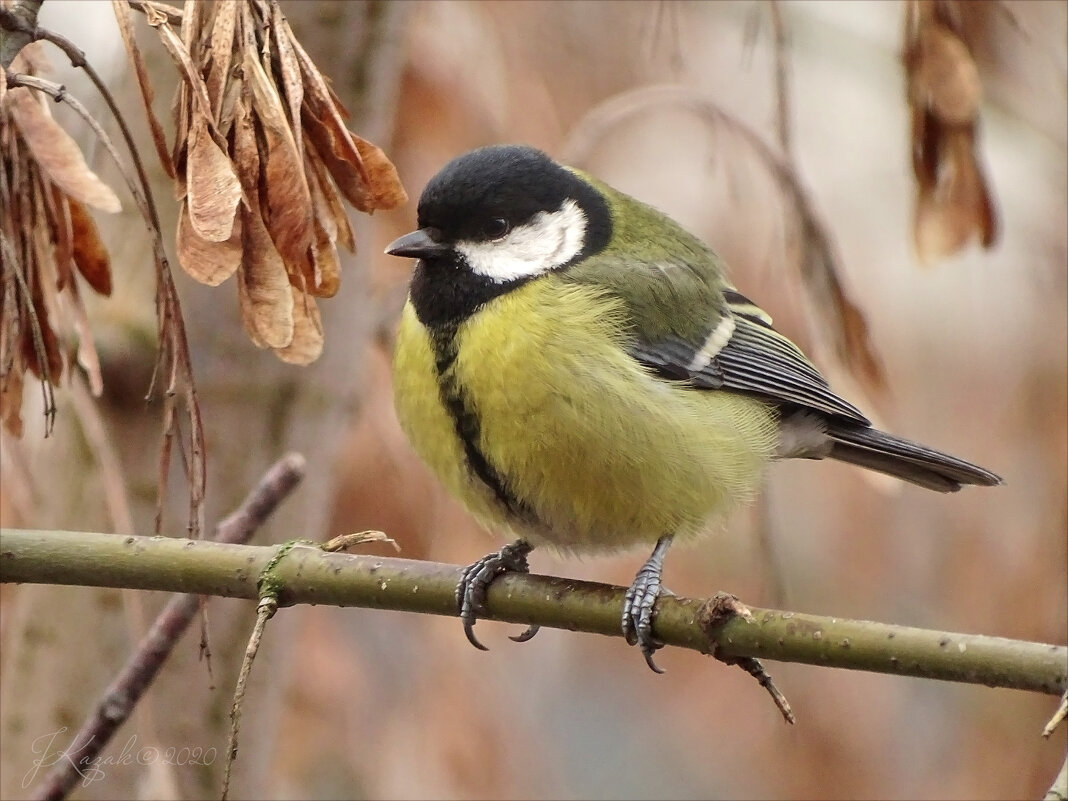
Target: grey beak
421,244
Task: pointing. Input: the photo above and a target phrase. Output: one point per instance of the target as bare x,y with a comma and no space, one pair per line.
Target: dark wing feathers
700,331
670,358
756,359
759,359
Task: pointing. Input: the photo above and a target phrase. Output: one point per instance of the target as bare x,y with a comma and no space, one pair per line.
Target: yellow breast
602,453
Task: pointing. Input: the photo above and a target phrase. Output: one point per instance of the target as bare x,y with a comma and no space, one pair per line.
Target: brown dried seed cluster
953,200
262,160
48,239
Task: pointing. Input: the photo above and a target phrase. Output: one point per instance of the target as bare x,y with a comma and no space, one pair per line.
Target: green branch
310,575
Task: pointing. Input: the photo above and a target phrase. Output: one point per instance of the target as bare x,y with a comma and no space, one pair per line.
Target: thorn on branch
343,542
1058,717
716,613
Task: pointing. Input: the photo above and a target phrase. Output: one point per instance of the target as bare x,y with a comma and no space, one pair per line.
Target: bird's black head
473,193
493,219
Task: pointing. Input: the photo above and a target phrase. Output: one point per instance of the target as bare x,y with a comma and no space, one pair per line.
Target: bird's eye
497,228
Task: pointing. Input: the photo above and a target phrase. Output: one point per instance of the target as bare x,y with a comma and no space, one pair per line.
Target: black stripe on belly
467,424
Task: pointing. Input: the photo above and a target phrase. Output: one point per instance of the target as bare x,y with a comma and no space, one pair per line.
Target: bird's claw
476,579
639,604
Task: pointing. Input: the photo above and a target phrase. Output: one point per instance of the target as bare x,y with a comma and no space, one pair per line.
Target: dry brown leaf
221,49
192,22
348,179
59,227
382,178
226,113
287,200
307,344
181,107
328,209
936,234
953,200
245,307
926,137
263,285
180,114
323,105
246,157
367,184
289,67
262,282
321,206
11,399
87,356
208,262
123,17
326,279
183,60
948,214
89,254
946,79
212,188
57,154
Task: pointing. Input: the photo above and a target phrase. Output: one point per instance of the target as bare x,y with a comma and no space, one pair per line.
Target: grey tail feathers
876,450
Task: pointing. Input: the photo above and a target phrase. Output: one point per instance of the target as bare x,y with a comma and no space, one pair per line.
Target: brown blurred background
372,704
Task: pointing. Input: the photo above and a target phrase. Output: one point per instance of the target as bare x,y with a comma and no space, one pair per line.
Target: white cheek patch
549,240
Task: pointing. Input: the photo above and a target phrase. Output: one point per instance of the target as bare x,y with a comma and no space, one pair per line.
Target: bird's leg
475,581
639,602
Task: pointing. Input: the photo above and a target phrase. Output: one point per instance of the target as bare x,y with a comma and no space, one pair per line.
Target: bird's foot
639,603
476,579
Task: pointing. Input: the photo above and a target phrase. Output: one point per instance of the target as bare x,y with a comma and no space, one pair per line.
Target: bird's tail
877,450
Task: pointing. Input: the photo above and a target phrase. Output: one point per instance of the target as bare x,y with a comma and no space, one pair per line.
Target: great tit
578,370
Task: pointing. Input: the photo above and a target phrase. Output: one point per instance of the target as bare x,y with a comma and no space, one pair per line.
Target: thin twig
717,613
270,588
121,696
47,386
1058,717
264,611
782,82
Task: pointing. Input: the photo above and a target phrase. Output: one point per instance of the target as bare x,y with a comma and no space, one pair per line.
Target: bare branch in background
782,82
120,698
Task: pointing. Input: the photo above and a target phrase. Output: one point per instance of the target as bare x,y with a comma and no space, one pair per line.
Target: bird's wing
740,351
